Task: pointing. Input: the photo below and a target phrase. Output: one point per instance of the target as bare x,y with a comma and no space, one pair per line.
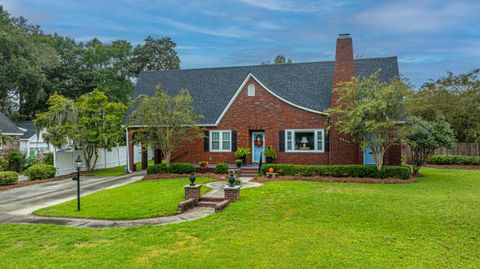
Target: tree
91,122
424,137
454,98
155,54
169,120
280,59
371,111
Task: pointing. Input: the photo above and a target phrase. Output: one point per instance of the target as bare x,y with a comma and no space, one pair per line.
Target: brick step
211,199
249,169
217,205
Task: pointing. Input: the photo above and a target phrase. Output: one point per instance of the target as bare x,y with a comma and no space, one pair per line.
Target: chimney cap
344,35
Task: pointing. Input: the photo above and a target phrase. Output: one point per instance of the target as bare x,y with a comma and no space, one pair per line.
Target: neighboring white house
32,144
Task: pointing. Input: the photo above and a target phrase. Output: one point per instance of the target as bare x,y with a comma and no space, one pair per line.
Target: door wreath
259,141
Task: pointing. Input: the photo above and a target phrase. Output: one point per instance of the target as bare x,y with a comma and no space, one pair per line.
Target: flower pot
268,159
239,165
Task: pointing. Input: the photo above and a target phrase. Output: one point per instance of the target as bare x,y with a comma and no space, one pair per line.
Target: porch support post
131,150
144,157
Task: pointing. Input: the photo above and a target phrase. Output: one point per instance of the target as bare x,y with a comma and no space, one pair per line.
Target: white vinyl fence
65,160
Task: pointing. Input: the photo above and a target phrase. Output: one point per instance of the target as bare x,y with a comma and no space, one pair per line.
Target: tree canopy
35,65
371,111
424,137
453,98
170,120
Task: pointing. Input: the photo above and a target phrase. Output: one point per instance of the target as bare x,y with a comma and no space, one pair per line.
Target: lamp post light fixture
78,165
192,179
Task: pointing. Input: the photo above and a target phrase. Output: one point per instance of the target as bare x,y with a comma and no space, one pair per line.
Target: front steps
248,171
213,202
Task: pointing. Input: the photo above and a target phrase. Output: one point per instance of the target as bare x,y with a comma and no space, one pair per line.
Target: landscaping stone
232,193
192,192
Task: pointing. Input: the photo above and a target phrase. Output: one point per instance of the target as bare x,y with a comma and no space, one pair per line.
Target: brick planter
232,193
192,192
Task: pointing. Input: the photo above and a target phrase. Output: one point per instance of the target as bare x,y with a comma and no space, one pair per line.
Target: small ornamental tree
169,120
424,137
371,111
91,122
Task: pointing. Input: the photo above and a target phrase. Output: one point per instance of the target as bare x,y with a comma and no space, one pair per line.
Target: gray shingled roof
29,126
305,84
7,126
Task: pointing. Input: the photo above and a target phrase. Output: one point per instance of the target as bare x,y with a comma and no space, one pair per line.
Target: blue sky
429,37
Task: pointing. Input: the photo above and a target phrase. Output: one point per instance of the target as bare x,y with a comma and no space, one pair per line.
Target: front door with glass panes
258,146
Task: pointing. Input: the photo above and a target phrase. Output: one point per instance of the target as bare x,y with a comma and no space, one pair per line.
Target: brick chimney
344,69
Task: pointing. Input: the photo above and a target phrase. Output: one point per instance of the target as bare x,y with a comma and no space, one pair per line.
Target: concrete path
18,204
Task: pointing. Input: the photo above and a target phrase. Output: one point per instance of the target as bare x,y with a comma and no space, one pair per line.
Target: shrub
454,159
174,168
242,153
181,168
221,168
40,171
48,158
3,164
8,178
16,161
270,152
355,170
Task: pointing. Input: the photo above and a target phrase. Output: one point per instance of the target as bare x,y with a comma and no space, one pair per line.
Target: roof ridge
259,65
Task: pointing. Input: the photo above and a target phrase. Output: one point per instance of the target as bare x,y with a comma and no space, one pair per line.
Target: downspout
329,141
128,150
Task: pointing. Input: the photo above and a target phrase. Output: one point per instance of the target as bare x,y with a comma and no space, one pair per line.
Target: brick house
9,136
282,106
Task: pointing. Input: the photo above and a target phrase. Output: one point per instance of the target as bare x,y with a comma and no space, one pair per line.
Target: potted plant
238,162
242,153
203,166
270,154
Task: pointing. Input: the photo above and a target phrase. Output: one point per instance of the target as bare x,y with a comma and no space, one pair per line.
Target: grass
430,224
143,199
117,171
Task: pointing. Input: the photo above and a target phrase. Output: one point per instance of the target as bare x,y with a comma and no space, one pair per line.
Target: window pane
215,145
226,135
215,136
319,140
226,145
304,141
289,140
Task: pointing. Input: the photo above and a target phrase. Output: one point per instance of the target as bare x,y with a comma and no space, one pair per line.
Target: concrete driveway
18,203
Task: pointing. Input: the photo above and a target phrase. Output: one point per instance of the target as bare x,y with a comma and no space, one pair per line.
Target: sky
428,37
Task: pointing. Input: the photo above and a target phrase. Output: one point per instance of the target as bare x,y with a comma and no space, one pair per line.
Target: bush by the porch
173,168
339,170
8,178
221,168
454,159
40,171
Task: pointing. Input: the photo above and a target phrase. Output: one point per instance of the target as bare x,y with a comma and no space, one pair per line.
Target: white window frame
251,89
315,132
220,139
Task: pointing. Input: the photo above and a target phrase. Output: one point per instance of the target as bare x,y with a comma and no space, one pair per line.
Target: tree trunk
167,155
378,157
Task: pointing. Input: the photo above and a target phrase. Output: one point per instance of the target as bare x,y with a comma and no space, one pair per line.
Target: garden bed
218,177
338,179
33,182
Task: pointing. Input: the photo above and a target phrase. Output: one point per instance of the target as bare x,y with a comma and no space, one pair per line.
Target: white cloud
292,6
413,16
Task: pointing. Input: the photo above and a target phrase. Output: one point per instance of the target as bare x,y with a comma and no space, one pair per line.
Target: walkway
15,212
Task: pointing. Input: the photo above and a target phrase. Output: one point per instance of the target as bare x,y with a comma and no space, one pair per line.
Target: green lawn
434,223
117,171
143,199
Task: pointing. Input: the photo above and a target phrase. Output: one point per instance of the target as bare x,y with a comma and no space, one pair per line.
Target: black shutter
327,141
234,141
206,142
281,141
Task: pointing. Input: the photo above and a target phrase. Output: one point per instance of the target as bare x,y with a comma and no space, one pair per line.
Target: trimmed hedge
221,168
355,170
3,164
173,168
40,171
454,159
8,178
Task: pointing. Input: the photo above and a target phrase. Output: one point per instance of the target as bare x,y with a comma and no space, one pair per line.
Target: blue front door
368,156
258,145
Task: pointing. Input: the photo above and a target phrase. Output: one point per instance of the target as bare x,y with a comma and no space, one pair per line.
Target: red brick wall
262,112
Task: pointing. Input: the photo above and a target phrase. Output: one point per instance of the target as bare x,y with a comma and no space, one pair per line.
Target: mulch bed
454,166
339,179
168,176
33,182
